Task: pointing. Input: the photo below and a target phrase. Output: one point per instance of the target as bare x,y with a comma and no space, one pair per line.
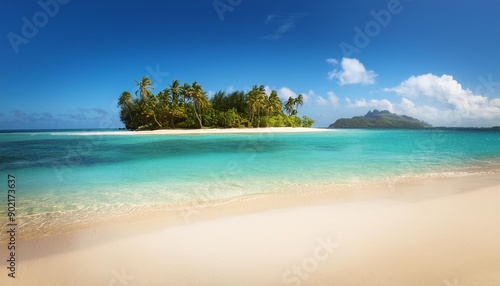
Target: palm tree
298,101
175,91
164,97
256,99
176,100
289,106
126,105
147,97
185,91
125,100
219,101
262,98
145,87
252,102
199,99
273,103
164,105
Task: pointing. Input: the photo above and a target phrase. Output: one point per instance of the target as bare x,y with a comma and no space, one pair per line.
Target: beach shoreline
210,131
423,232
189,211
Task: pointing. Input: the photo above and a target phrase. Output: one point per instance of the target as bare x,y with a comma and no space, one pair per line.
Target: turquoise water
71,176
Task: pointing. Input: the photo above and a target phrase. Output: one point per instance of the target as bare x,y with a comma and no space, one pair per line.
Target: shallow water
68,177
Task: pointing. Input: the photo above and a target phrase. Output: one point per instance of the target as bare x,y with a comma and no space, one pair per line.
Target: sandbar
210,131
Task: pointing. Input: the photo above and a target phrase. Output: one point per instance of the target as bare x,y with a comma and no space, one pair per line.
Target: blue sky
63,63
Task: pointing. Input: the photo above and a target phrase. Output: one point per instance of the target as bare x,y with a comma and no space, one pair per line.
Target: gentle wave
54,214
71,180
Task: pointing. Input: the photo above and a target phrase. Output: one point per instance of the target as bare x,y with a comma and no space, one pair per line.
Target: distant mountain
380,119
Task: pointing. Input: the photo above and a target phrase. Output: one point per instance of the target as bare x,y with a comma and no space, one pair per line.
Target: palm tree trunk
154,117
197,116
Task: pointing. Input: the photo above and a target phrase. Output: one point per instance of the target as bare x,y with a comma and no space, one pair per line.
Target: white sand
433,232
211,131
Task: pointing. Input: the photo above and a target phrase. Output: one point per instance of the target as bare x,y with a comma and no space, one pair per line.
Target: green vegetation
187,106
380,119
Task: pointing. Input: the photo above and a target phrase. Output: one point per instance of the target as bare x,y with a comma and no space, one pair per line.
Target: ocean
65,178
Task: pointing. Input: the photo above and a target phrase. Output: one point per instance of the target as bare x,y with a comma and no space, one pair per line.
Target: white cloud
428,85
456,101
284,93
284,22
307,96
437,100
210,93
321,101
332,99
230,89
423,112
406,107
380,104
268,90
352,72
332,61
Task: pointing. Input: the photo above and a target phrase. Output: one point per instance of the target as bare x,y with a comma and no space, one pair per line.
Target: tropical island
188,107
380,119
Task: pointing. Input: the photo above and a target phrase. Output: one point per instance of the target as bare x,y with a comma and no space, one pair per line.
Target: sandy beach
211,131
197,143
441,231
